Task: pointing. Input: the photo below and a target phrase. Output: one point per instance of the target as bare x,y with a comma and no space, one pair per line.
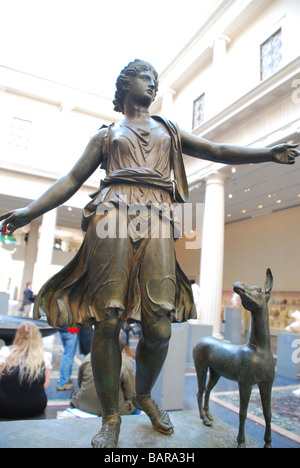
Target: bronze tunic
124,262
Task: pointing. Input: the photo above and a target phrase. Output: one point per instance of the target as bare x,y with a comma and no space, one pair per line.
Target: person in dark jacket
28,299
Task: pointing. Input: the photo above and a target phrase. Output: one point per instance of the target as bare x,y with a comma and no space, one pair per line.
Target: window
198,111
19,135
270,55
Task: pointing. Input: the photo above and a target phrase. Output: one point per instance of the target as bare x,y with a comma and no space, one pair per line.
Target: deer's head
253,297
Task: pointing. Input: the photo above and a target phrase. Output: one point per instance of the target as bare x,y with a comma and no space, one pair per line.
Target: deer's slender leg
201,369
213,380
265,395
245,393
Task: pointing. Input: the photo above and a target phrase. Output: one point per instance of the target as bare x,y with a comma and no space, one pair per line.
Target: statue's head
123,81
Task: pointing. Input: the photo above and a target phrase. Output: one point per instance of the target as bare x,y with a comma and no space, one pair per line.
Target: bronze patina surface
249,365
126,274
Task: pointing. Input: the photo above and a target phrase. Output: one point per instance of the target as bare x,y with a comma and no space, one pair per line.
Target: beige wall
188,259
240,65
253,245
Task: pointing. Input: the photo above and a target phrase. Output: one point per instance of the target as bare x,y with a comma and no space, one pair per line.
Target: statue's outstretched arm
231,154
61,191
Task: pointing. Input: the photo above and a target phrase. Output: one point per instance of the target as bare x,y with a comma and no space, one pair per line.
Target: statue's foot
159,418
108,435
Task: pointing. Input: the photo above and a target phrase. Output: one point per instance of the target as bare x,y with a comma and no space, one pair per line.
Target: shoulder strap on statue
181,185
105,144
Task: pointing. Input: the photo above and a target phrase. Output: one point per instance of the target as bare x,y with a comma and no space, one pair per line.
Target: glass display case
281,307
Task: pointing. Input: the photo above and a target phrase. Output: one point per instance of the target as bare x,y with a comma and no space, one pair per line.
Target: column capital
169,90
222,37
217,177
167,101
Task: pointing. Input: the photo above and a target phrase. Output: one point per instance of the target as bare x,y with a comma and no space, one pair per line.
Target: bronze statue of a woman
114,278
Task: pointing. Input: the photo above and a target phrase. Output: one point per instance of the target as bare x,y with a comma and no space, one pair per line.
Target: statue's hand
285,153
14,219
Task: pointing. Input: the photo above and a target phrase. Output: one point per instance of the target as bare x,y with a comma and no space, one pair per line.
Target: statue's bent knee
159,333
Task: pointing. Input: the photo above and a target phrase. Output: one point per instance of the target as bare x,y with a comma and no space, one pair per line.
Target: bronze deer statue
249,364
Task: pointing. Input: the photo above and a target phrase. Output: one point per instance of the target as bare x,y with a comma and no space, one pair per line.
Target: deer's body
250,364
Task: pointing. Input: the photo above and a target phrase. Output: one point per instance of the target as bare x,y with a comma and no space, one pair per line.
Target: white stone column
212,251
219,52
218,80
167,103
30,255
45,250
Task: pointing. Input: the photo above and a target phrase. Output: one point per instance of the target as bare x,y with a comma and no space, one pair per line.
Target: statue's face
142,88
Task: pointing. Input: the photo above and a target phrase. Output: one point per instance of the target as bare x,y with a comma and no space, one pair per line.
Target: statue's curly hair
122,83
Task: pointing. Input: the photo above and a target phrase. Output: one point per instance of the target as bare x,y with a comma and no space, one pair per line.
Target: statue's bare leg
150,357
106,362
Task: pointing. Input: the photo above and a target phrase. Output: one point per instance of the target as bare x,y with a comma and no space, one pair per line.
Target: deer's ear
269,281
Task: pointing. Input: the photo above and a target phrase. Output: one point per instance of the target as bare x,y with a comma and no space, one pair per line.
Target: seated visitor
24,375
85,398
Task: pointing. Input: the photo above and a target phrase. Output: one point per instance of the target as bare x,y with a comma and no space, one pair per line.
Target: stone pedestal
4,298
233,325
169,388
136,433
196,331
288,354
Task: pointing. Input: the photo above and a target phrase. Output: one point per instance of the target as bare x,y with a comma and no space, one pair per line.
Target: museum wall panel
253,245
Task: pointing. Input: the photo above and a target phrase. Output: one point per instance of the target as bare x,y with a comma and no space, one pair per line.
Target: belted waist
138,176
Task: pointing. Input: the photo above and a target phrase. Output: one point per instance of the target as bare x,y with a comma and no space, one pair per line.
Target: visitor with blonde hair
24,374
